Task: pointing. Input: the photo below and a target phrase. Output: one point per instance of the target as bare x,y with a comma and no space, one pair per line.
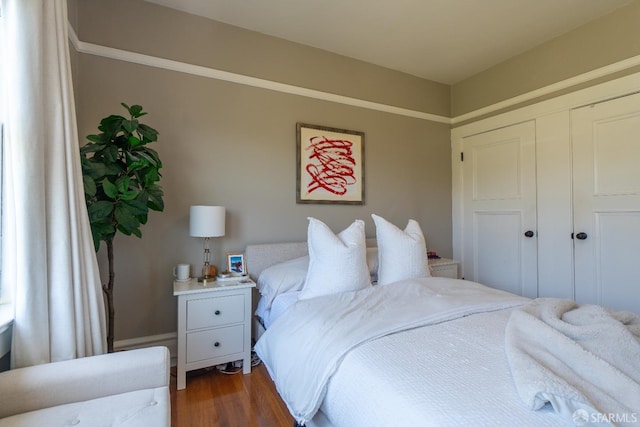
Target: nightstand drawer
450,271
218,311
215,343
444,267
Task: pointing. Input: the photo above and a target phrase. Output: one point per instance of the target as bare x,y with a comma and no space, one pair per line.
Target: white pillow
337,263
287,276
402,254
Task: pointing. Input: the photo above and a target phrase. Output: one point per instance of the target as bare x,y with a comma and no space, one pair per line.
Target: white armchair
125,388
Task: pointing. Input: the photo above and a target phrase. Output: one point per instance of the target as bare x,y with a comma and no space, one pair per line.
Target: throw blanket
305,345
583,360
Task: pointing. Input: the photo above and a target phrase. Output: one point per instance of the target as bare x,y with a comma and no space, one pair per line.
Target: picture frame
330,165
236,264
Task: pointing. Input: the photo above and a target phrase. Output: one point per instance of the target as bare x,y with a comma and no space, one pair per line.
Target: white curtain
48,254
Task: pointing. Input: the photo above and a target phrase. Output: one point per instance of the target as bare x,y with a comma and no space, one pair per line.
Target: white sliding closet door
500,209
606,194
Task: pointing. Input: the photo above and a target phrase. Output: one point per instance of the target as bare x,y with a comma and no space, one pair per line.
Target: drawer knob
216,344
217,313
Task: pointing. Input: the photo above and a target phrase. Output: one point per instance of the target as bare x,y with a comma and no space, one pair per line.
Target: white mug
181,271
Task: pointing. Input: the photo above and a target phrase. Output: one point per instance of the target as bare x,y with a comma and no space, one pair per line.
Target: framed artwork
235,264
330,167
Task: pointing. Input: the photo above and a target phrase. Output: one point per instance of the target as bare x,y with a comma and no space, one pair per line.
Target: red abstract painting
330,165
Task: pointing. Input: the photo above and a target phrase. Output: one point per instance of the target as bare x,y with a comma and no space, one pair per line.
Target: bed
428,351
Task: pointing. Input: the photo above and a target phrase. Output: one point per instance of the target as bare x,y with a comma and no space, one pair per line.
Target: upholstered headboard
264,255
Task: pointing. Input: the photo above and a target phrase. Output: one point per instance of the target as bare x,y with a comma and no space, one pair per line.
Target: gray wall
233,145
610,39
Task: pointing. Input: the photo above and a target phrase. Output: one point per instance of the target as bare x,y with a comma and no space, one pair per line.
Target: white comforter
304,347
583,360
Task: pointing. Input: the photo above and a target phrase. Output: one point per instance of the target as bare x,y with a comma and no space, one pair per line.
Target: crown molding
212,73
550,89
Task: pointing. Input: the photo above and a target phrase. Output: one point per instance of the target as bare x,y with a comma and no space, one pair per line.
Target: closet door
606,195
500,209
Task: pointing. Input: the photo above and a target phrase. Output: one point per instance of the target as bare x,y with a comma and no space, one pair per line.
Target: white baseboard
169,340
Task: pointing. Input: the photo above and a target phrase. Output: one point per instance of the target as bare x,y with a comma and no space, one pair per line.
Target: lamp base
204,280
209,273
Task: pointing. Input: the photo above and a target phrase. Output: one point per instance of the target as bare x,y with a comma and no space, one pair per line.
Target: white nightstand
444,267
214,325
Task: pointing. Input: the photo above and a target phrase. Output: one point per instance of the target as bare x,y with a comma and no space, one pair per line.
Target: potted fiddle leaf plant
120,173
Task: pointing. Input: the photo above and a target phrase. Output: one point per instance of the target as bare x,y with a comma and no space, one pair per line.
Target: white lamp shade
206,221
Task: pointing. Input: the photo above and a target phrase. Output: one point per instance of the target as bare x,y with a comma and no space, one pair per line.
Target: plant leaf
100,210
89,185
134,141
115,169
155,204
128,195
148,133
102,229
96,241
122,183
151,176
153,153
95,169
154,201
125,219
110,153
134,162
130,125
136,207
97,143
110,126
135,110
148,157
109,189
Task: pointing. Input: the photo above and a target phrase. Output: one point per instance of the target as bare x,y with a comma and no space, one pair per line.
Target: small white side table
444,267
214,324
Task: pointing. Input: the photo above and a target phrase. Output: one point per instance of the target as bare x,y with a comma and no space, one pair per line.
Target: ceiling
440,40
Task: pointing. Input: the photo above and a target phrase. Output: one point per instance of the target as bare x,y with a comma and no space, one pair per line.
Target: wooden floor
213,399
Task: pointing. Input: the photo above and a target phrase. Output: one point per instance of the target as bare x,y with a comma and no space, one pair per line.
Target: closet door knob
529,233
581,236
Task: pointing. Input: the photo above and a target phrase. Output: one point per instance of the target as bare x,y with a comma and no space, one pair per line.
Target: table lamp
207,222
